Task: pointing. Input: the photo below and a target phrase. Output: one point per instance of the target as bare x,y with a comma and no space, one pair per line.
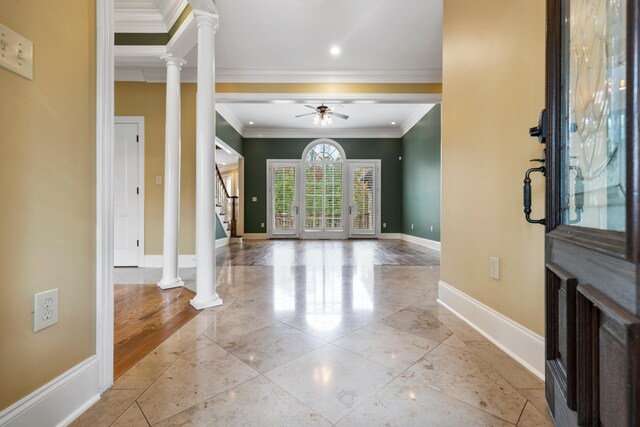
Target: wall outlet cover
254,199
45,309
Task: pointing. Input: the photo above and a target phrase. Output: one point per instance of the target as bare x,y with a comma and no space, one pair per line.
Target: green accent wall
258,150
421,177
228,134
141,39
219,229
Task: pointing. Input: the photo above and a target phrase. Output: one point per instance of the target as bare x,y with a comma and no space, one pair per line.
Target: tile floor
323,333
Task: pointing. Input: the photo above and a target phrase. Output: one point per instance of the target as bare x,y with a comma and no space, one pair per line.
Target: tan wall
493,91
148,100
47,185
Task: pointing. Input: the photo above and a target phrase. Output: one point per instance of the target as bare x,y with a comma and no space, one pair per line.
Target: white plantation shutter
364,197
283,188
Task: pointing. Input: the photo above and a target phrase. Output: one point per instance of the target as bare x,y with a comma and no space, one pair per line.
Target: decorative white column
170,277
206,296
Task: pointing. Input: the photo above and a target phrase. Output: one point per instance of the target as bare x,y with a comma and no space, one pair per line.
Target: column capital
173,59
206,19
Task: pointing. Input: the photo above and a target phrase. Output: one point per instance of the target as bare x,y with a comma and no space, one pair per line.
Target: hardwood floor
145,316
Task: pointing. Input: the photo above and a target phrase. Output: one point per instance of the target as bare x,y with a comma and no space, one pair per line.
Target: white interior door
364,200
283,199
125,195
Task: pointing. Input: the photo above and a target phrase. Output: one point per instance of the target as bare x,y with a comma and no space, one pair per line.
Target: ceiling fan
323,115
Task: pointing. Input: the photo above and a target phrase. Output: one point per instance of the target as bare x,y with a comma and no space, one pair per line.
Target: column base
214,301
170,283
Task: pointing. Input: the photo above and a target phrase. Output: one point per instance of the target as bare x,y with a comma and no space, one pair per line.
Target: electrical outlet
384,225
494,267
412,226
45,309
158,180
262,224
254,199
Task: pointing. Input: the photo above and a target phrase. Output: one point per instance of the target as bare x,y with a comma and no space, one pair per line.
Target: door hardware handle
527,192
578,194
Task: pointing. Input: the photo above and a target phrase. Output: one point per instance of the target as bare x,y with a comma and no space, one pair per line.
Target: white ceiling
288,38
289,41
365,120
286,41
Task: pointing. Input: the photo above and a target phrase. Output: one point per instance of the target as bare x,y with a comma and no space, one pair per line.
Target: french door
283,199
364,200
592,221
324,197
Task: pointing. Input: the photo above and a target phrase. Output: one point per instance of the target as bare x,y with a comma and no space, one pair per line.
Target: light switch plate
494,268
16,53
254,199
158,180
45,309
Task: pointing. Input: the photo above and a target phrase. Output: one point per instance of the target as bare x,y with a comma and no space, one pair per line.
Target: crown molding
322,133
139,21
171,10
420,112
231,118
133,56
256,75
204,6
145,17
342,98
184,40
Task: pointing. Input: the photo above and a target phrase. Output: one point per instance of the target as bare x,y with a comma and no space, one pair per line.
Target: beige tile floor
328,343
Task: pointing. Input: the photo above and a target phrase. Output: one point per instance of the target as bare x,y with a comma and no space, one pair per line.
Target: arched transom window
323,186
324,151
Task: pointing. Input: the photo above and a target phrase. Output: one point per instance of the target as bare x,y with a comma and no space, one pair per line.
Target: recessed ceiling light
393,123
364,101
335,50
283,101
250,123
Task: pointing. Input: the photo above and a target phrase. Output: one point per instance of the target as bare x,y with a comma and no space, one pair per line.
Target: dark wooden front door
592,219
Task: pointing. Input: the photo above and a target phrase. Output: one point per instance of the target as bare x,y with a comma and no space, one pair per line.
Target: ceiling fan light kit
323,115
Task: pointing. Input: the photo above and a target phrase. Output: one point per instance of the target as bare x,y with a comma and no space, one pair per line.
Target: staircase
226,209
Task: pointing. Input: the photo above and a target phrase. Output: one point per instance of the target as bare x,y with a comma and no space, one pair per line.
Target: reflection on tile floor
321,333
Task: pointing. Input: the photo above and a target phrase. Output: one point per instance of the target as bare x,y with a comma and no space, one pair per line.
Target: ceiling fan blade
308,114
341,116
309,106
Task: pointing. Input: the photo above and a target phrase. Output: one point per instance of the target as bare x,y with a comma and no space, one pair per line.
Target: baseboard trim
255,236
422,242
390,236
222,242
514,339
157,261
60,401
184,261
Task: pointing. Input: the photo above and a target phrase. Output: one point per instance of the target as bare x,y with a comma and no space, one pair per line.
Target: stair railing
227,204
